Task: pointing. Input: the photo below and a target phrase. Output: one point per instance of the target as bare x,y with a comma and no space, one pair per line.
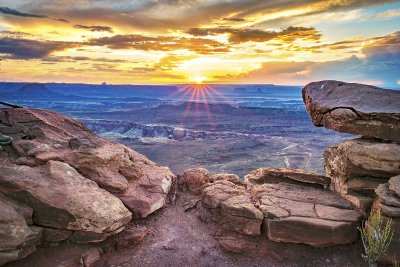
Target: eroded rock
291,212
354,108
284,175
18,240
357,167
195,178
394,185
62,198
231,177
215,193
241,214
140,183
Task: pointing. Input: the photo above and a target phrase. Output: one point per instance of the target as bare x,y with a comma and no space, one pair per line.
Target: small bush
376,238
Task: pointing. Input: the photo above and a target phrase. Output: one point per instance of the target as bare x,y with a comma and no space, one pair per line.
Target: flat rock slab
290,212
279,175
303,214
354,108
312,231
242,215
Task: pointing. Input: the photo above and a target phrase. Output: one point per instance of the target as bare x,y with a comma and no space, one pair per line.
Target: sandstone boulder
62,198
140,183
215,193
18,240
363,158
354,108
290,212
394,185
312,231
304,214
284,175
241,214
357,167
387,197
231,177
195,178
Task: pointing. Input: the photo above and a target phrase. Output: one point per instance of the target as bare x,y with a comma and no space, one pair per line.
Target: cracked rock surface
354,108
290,210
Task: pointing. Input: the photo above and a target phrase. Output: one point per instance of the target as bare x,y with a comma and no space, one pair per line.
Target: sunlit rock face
291,210
75,184
354,108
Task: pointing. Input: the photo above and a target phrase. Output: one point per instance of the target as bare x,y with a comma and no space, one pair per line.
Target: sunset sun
199,79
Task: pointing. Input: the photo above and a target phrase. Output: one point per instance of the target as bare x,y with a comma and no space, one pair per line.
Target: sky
289,42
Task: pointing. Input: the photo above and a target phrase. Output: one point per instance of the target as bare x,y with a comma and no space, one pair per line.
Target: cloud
234,19
62,20
13,12
17,48
255,35
94,28
160,43
380,65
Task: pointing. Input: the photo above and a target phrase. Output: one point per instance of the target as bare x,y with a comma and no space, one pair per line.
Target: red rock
236,245
311,231
131,238
195,178
90,257
140,183
215,193
284,175
62,198
394,185
242,215
55,235
354,108
231,177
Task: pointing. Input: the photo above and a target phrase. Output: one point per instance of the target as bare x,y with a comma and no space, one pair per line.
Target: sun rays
199,101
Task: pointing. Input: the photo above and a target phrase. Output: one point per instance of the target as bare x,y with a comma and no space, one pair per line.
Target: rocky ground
188,240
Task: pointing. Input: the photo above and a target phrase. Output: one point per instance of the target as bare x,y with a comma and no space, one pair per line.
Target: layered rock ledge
357,167
291,210
354,108
60,181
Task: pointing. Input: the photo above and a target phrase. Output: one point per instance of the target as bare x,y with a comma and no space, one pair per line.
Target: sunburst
198,96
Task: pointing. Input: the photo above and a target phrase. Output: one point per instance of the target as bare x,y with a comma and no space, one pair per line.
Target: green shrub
376,237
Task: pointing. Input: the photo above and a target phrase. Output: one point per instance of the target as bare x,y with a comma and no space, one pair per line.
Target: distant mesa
30,87
36,89
104,83
240,89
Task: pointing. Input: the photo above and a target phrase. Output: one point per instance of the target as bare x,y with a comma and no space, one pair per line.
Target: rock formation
358,166
289,210
365,170
354,108
278,175
60,181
